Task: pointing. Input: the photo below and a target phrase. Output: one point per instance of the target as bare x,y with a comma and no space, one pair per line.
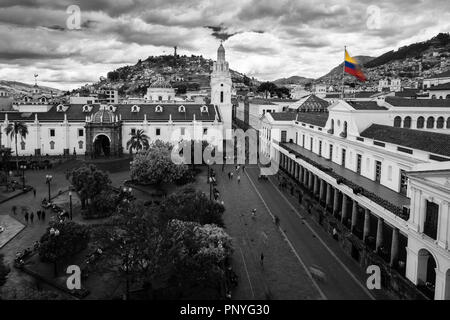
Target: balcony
381,195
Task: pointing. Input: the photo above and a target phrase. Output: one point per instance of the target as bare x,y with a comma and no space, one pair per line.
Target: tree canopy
155,166
72,238
189,204
270,89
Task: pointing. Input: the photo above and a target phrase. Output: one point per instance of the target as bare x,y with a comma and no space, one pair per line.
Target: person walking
26,217
43,215
239,179
231,175
38,213
31,217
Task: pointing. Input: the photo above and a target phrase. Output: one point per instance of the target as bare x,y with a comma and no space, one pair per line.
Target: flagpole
343,74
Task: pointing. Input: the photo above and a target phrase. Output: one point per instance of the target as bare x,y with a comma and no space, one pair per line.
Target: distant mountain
410,63
190,72
415,50
292,80
17,88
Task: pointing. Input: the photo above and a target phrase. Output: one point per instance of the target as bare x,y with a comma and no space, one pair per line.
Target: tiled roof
75,113
310,103
419,103
283,116
365,105
422,140
445,74
261,101
442,86
282,100
314,118
407,93
365,94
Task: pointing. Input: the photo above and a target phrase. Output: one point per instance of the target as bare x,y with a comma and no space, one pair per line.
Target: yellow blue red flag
351,66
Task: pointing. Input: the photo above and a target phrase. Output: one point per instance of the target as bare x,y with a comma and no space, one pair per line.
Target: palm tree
5,156
14,129
138,141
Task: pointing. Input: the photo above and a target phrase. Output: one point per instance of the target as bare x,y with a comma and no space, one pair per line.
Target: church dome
160,83
103,116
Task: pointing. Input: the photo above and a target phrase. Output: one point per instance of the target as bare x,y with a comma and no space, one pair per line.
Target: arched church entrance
426,272
102,146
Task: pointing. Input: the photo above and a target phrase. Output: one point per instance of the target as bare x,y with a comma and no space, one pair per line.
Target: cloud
264,38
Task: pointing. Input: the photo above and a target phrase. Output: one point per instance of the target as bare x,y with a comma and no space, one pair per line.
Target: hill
16,88
292,80
190,72
415,50
410,63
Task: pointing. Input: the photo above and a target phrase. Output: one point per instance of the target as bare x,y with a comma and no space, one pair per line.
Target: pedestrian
43,215
262,259
231,175
38,213
239,179
26,217
31,217
277,220
34,192
243,167
335,235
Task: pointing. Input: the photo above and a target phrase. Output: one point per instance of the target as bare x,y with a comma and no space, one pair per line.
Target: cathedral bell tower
221,89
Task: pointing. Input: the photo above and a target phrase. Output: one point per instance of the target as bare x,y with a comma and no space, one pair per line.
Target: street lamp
48,179
70,204
23,167
127,193
209,180
54,233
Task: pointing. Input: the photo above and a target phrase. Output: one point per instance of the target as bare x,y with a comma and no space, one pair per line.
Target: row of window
52,145
158,131
52,132
378,164
430,122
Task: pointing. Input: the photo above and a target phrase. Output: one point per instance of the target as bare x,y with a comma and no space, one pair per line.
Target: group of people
238,176
29,216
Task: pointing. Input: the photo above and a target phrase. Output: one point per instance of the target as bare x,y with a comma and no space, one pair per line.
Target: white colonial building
98,129
381,169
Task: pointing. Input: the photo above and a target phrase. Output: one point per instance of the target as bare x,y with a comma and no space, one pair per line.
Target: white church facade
104,129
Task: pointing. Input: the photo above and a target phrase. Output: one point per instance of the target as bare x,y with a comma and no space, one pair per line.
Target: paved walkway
33,231
281,276
344,277
11,227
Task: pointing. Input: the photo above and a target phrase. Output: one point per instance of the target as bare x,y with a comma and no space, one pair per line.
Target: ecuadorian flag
352,67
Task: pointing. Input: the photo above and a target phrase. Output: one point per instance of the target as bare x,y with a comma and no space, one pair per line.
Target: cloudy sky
264,38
